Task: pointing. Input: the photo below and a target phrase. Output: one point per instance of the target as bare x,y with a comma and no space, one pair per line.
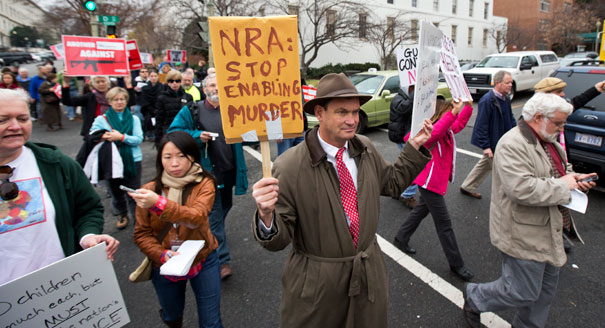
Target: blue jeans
71,110
206,287
285,144
410,191
222,204
137,113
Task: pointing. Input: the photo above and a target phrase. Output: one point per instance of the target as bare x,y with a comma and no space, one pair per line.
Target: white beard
547,136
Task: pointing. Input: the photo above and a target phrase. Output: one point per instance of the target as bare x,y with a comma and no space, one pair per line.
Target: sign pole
210,55
265,151
94,28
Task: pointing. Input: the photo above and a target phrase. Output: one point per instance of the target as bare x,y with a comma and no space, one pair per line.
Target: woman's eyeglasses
8,190
173,81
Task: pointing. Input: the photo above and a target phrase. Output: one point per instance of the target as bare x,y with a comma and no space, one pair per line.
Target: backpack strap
195,114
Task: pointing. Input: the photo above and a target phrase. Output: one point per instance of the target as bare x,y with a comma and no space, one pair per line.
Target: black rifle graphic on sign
88,62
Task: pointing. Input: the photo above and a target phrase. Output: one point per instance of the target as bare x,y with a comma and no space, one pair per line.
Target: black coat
169,104
88,102
401,116
582,99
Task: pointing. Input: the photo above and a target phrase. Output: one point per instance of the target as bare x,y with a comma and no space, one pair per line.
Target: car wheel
363,123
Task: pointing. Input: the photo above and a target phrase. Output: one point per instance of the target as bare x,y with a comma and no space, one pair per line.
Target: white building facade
18,13
470,23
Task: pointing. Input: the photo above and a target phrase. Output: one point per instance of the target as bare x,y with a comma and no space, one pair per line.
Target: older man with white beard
531,180
202,119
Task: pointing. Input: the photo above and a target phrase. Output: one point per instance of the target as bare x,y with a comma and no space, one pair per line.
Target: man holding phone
531,182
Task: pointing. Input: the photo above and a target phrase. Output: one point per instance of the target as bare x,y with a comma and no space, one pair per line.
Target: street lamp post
596,38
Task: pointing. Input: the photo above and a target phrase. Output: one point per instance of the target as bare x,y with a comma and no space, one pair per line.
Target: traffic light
111,32
90,5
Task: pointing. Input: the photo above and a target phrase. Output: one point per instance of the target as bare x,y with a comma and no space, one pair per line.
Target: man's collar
209,105
329,149
499,95
527,132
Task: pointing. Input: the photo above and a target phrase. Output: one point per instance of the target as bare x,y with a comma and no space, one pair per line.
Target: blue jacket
34,85
184,122
134,141
492,122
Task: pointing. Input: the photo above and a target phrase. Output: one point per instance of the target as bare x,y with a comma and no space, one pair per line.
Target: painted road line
443,287
462,151
440,285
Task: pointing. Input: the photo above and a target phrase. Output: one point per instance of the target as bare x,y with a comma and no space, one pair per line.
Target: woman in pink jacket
448,120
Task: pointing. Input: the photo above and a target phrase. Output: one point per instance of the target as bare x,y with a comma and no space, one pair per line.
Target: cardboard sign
86,56
407,60
134,57
258,77
452,72
78,291
309,92
58,50
146,57
176,56
427,77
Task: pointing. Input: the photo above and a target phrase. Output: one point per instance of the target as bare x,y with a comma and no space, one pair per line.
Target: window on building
293,10
363,19
543,25
486,10
391,28
414,3
484,38
414,30
471,7
390,2
470,36
454,6
454,30
566,7
330,22
436,5
545,5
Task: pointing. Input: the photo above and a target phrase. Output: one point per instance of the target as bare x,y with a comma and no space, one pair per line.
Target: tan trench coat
326,281
525,222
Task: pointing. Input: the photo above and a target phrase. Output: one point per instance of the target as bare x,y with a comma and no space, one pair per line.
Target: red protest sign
176,56
134,57
58,50
309,92
94,56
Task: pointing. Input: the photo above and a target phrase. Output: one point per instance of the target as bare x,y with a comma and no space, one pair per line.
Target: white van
526,67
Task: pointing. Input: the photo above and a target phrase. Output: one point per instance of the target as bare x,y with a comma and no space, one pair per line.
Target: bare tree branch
387,35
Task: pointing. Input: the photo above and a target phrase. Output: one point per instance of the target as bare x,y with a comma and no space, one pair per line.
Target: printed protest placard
309,92
427,76
176,56
146,57
78,291
257,71
94,56
58,50
452,72
134,57
407,58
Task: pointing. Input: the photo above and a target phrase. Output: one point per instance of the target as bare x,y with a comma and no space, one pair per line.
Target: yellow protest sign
258,77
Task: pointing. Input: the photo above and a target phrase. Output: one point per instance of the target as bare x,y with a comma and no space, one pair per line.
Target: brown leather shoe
409,202
226,271
470,193
472,317
122,222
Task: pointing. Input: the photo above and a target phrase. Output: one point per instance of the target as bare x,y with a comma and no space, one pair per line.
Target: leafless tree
321,22
561,33
499,34
387,35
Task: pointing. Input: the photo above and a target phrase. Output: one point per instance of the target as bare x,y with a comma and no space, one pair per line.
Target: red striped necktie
348,194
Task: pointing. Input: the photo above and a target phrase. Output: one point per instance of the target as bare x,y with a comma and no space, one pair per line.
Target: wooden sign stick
265,151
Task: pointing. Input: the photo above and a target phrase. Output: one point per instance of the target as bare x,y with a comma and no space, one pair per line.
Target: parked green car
383,86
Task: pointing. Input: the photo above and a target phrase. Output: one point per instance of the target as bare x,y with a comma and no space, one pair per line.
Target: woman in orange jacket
180,199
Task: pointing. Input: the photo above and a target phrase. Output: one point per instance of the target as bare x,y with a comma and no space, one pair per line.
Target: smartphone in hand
122,187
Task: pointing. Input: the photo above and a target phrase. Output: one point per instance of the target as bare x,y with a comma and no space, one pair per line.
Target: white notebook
180,265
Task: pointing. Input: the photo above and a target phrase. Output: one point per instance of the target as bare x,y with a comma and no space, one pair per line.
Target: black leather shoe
404,247
463,273
472,317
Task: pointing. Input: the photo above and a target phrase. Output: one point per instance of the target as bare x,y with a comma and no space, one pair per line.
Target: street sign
108,20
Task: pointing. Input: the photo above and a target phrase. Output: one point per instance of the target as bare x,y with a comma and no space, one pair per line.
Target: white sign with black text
78,291
407,58
452,72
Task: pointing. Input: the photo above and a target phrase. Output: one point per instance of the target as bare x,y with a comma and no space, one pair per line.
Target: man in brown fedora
324,197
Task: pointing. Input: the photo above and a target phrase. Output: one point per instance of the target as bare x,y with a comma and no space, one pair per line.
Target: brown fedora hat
334,86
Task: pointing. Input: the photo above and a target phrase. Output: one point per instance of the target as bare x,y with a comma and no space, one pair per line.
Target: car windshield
499,61
367,84
579,82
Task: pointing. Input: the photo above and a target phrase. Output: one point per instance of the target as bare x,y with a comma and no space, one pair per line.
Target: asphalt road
250,298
